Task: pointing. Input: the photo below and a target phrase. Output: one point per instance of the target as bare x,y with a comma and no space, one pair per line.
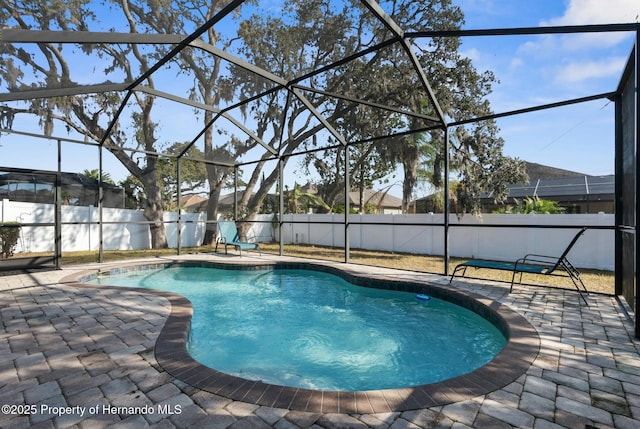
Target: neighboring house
226,203
576,192
198,203
76,189
382,202
428,204
585,194
194,203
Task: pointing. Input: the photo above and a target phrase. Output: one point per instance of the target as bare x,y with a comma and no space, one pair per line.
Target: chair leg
574,274
513,279
455,270
573,279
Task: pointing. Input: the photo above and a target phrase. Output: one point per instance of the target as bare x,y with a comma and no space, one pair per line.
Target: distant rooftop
564,187
539,171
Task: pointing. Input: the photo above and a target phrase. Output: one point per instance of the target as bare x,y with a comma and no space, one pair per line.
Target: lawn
595,281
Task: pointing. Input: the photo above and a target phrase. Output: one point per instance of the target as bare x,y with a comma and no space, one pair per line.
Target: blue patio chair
228,235
533,264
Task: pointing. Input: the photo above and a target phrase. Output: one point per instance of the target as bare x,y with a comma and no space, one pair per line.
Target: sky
536,70
531,70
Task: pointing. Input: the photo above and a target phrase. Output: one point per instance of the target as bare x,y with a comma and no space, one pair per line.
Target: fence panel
419,234
416,234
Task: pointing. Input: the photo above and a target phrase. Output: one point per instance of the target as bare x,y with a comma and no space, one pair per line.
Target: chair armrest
538,259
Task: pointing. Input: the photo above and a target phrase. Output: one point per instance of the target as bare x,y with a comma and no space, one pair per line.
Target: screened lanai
244,117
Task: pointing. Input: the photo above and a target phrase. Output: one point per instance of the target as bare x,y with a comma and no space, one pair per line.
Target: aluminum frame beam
370,104
607,95
318,116
181,100
19,35
63,92
375,8
523,31
92,89
11,35
27,36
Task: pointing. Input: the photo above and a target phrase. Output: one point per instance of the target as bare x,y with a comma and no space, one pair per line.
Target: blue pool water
309,329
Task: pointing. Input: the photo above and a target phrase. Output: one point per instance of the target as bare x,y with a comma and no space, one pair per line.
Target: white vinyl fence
84,232
413,234
394,233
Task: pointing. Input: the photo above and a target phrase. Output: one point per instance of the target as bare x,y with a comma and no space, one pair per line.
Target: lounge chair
228,235
533,264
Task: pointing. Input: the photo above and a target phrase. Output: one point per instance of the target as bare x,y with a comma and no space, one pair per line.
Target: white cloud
580,71
580,12
584,12
473,54
581,49
516,63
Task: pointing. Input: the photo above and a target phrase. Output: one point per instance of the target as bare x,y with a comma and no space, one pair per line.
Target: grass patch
595,280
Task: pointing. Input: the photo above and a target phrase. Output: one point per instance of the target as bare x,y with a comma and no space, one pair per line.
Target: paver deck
85,357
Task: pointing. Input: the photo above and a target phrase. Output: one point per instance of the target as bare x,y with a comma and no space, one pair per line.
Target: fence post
393,233
89,225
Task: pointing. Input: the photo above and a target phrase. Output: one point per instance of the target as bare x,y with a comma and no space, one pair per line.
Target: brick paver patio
84,357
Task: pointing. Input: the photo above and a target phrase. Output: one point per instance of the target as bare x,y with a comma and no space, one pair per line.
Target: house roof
564,187
550,182
195,203
377,198
539,171
66,179
547,182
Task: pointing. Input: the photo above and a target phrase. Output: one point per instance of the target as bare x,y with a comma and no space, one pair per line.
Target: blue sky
535,70
531,70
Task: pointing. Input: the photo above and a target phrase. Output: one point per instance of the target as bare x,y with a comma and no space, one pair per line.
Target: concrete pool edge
171,349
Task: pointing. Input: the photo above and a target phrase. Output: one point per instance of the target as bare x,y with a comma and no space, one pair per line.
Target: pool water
308,329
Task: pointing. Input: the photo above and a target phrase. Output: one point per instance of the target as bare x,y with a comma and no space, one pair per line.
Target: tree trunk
360,195
212,214
153,212
410,167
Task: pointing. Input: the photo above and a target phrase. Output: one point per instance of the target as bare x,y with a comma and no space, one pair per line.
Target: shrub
533,205
9,234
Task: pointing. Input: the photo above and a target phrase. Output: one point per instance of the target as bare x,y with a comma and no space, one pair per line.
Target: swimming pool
171,353
314,330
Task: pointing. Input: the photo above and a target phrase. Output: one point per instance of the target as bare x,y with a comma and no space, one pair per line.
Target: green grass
595,281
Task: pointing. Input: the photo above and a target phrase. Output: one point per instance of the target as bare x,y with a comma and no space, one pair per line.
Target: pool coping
523,345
